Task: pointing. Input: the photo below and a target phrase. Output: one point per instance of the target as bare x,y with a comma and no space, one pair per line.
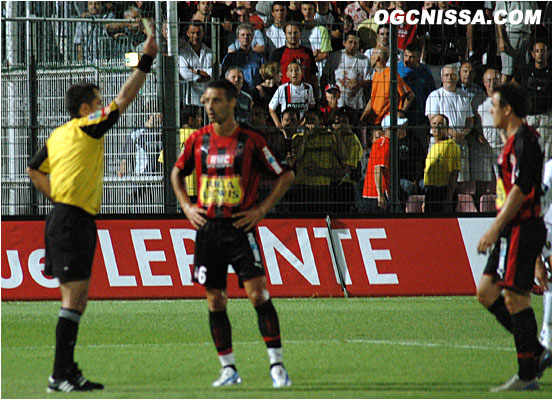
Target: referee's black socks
66,338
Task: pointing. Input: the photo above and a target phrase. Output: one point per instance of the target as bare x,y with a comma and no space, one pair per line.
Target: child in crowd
294,94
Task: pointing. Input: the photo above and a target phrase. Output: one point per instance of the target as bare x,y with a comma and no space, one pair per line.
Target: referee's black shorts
513,258
219,244
70,238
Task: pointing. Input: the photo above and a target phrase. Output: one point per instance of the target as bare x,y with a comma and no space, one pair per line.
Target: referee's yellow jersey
74,158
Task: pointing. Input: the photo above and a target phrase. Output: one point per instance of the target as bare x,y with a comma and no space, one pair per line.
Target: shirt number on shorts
201,275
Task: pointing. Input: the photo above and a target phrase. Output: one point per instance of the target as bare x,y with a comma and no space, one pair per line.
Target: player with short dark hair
229,159
516,236
69,170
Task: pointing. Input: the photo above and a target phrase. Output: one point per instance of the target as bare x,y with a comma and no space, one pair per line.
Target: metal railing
40,62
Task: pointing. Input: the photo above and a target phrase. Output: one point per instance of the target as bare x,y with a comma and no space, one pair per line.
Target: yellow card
147,26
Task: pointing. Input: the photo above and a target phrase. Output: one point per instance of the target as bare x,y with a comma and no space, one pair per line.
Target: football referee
69,170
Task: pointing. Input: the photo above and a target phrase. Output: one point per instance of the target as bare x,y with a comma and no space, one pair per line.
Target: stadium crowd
314,78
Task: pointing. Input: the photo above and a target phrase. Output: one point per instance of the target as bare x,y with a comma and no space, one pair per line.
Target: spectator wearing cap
293,94
330,103
379,105
410,158
349,70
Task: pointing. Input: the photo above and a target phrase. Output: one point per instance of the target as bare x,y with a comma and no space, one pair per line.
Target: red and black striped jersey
228,168
303,55
520,163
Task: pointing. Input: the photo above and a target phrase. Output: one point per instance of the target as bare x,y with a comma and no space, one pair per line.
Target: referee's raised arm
132,86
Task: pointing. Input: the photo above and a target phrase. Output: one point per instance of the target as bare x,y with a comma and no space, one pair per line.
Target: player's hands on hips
195,215
487,240
150,47
247,220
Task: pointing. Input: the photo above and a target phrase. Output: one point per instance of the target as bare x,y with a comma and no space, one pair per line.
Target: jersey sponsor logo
220,190
299,106
220,161
500,194
96,115
100,113
271,159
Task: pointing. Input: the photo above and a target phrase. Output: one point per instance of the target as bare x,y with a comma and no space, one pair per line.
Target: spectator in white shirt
315,37
276,37
349,70
294,94
449,101
484,120
195,64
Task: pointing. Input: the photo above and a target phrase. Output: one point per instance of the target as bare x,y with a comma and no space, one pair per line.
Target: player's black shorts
513,257
219,244
70,238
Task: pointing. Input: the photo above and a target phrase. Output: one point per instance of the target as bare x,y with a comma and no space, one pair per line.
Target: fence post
167,99
32,93
394,165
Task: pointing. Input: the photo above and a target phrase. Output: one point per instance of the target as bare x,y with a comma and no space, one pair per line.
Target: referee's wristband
145,63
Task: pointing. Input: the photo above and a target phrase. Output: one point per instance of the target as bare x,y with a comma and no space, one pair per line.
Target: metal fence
41,59
128,193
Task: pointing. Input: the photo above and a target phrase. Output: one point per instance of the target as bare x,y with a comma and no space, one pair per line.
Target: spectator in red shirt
292,51
406,33
377,179
330,108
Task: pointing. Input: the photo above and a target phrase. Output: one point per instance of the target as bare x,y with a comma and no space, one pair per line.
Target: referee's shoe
75,382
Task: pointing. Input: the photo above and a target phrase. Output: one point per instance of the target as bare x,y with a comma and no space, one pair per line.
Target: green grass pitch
419,347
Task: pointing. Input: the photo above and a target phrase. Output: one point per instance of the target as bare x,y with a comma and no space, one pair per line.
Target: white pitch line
322,341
